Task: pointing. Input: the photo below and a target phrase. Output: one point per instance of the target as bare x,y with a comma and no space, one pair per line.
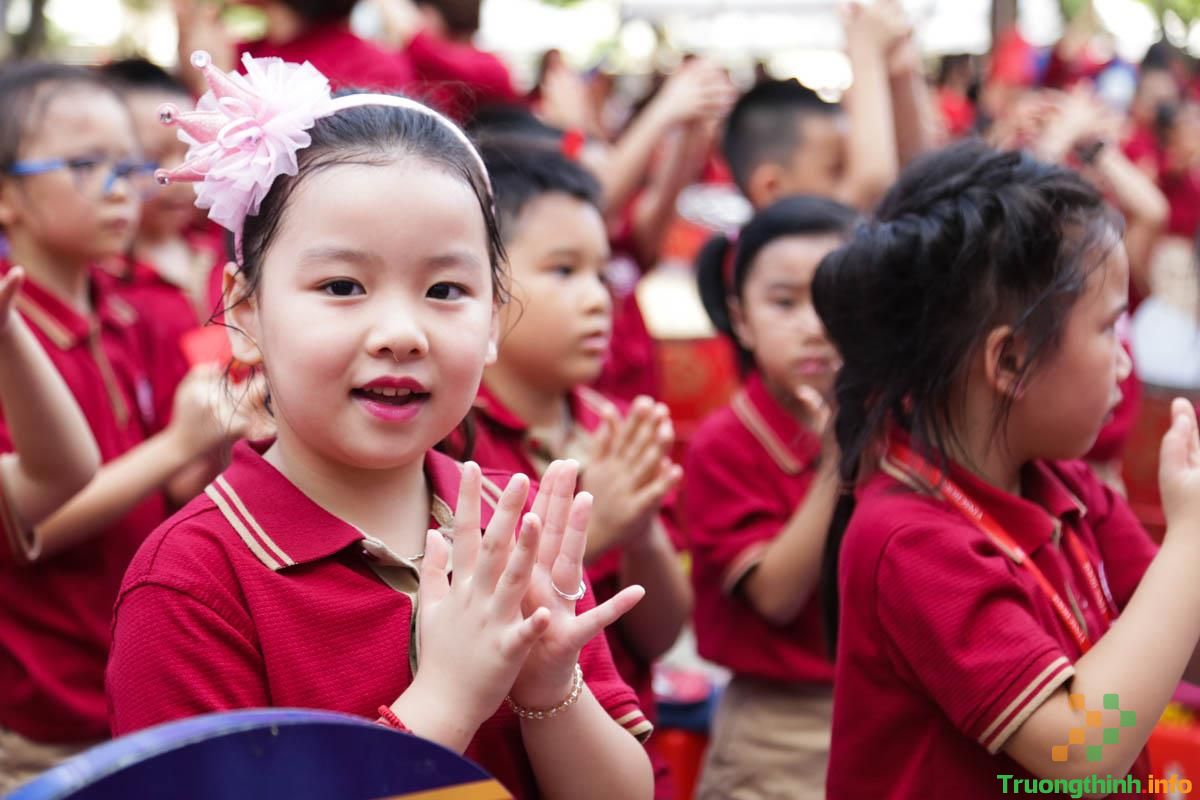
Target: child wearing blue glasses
71,174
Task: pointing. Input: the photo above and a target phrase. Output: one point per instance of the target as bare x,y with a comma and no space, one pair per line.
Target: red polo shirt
168,314
55,614
748,469
253,595
946,645
348,61
505,442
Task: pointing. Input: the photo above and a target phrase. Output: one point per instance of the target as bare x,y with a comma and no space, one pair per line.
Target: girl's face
374,317
66,213
1060,412
776,319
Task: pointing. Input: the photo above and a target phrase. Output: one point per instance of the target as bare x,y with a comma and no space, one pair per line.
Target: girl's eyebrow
325,253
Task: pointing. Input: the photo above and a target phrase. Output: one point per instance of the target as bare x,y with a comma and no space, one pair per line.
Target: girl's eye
783,302
446,291
343,287
563,270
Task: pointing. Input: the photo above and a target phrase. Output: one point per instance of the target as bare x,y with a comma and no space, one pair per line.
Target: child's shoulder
722,430
195,545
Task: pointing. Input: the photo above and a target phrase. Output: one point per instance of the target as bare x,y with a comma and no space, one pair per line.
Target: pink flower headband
246,130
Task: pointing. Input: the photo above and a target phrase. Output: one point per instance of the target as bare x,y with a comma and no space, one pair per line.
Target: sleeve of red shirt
960,626
730,522
202,656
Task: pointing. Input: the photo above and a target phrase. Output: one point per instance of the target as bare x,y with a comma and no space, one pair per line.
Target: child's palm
546,676
474,636
1179,466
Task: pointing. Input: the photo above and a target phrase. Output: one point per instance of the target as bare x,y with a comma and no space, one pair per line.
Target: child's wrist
550,698
436,716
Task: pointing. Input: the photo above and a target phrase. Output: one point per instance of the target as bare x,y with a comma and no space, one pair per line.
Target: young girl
70,177
535,404
998,602
367,293
759,490
52,454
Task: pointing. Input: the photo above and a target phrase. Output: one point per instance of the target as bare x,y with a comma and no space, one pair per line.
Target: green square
1112,702
1094,752
1128,719
1112,735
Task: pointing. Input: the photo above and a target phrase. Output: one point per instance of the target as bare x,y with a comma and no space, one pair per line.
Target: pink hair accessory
247,129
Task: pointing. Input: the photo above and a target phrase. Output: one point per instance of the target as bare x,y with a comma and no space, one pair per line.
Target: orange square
1076,736
1077,701
1058,753
1095,719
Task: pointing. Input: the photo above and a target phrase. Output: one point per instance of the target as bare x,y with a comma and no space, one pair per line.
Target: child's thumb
1179,441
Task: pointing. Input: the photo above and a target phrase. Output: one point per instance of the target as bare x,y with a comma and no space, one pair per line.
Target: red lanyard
914,465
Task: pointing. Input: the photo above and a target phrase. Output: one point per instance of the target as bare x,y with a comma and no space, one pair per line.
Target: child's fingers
466,520
586,626
497,542
541,502
640,415
646,464
669,476
628,424
554,522
526,634
603,438
435,583
567,569
514,581
9,284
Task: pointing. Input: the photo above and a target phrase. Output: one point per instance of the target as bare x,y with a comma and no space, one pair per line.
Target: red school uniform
505,442
253,595
348,61
748,469
55,614
169,315
947,645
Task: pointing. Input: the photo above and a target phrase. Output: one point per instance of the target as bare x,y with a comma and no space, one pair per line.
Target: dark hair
370,135
523,169
968,239
792,216
461,16
763,125
322,10
26,90
132,74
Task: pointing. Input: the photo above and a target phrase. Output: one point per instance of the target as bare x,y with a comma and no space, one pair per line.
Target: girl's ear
1004,356
241,312
737,321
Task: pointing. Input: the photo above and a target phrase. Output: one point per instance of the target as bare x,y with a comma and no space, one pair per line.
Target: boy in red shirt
535,404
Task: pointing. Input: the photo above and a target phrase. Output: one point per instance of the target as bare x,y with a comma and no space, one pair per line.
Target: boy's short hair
523,168
322,10
460,16
133,74
763,125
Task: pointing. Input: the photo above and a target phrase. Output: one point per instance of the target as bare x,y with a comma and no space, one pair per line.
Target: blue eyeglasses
95,176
